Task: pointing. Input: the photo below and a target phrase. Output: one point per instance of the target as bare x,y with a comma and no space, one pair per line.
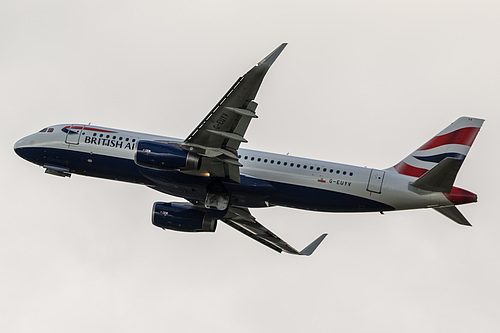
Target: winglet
309,249
268,61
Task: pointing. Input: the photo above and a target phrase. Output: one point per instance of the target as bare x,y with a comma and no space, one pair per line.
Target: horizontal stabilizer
441,177
454,214
309,249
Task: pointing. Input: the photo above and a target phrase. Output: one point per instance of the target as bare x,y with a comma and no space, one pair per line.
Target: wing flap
252,235
241,220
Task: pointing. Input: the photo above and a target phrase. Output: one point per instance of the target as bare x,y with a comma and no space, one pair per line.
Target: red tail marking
463,136
459,196
409,170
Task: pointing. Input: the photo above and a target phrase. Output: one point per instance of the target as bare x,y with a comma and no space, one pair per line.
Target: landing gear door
375,181
73,134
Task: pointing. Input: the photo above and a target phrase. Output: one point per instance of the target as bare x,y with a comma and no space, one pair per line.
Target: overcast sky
361,82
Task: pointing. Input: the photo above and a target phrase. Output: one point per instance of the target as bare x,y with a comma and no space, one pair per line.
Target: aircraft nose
17,147
20,145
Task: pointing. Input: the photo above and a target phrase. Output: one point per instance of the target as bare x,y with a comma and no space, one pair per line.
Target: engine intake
163,156
182,217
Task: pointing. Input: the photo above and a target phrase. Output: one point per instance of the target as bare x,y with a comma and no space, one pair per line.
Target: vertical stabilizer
452,142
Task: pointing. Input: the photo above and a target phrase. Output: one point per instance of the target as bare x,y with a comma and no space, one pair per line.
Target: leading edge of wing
241,220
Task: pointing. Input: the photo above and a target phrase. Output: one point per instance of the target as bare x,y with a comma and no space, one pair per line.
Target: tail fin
454,141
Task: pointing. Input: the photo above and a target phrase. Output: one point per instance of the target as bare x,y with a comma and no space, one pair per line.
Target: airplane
221,181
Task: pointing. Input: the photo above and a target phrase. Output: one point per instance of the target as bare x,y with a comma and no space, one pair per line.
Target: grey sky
361,82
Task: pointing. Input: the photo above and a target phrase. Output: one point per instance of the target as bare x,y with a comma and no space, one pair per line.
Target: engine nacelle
163,156
182,217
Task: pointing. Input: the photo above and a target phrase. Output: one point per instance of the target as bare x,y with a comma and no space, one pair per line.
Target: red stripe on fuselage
90,129
464,136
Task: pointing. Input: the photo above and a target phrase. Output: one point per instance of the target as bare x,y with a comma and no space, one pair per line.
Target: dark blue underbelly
251,192
308,198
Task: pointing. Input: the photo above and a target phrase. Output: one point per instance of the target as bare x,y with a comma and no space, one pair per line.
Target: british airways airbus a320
220,181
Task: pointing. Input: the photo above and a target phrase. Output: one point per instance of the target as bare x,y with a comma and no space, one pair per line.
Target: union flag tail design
454,141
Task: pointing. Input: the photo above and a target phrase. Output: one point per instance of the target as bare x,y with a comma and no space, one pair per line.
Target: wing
219,135
241,220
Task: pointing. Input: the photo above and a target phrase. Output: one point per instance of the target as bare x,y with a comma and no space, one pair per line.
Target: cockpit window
50,130
44,130
47,129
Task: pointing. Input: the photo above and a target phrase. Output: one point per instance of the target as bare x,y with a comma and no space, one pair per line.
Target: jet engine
163,156
182,217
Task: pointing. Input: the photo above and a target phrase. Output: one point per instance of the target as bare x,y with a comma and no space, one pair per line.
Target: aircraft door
73,134
375,181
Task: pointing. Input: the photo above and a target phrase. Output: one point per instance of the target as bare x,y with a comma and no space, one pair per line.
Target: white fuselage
382,186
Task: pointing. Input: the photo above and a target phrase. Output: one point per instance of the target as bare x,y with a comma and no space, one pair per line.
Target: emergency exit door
375,181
